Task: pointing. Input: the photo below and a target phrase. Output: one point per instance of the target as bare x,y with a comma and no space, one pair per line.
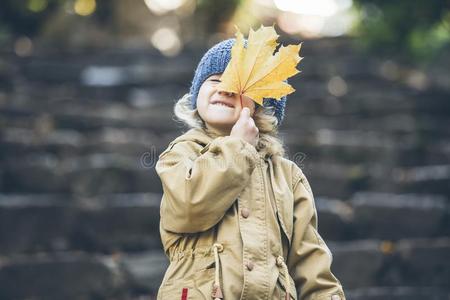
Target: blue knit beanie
214,62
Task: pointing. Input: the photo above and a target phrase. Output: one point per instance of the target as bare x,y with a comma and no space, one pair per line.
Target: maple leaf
255,71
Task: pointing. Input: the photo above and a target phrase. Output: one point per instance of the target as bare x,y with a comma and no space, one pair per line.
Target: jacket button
335,297
249,265
280,261
245,212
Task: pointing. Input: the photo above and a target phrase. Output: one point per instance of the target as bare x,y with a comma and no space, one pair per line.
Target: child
238,219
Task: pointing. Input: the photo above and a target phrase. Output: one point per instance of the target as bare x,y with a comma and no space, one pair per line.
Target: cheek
253,107
249,103
201,98
203,95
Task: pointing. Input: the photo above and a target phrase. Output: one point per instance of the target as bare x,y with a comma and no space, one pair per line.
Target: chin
222,125
225,121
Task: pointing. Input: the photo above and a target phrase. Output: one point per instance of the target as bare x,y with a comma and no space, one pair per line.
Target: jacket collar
195,135
200,136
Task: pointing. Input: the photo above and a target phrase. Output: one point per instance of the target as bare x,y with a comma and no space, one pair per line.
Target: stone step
374,215
66,275
130,222
112,68
390,270
368,96
35,129
344,146
365,147
64,143
85,120
315,129
413,262
76,125
87,175
385,131
339,180
369,156
121,68
111,173
146,269
371,107
140,67
49,96
104,224
428,136
118,275
398,293
391,125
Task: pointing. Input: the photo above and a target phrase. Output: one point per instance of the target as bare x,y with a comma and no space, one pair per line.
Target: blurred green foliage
217,11
414,29
25,17
28,17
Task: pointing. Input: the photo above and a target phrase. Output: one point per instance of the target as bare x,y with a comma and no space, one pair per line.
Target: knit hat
214,61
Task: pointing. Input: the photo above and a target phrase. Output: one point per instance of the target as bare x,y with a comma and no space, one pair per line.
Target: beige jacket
236,225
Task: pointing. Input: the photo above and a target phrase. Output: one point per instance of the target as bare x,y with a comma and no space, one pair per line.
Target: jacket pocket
281,283
198,284
176,293
285,214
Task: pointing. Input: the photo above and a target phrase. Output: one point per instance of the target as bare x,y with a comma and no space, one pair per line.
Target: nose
226,93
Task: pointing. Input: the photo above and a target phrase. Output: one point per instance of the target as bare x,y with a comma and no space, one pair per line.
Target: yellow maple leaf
255,71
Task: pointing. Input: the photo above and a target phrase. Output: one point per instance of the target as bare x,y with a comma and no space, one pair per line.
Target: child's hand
245,128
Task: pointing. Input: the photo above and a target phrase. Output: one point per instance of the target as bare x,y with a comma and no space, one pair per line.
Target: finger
245,113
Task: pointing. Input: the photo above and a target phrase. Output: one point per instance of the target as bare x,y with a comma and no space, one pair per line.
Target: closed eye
216,80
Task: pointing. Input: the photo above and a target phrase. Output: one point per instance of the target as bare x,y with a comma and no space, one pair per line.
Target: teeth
222,104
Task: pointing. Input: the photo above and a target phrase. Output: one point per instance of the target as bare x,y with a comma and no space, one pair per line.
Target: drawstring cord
217,291
281,263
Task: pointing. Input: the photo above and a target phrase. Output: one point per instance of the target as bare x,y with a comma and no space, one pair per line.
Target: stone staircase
79,201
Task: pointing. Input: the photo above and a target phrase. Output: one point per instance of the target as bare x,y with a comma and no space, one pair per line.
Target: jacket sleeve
200,186
309,259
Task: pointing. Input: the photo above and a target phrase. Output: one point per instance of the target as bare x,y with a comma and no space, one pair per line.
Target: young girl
238,219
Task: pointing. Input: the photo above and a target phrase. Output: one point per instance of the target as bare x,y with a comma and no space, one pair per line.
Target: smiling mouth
222,104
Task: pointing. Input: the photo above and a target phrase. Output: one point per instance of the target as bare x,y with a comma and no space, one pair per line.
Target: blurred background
87,89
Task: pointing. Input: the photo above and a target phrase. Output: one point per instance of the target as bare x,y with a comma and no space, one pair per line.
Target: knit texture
214,61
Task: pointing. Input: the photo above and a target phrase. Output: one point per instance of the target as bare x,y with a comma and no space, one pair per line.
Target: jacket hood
201,137
195,135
